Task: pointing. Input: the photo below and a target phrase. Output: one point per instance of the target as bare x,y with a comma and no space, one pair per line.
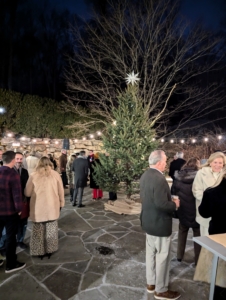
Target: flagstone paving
77,271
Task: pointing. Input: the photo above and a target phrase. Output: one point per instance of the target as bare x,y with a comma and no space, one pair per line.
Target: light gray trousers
158,262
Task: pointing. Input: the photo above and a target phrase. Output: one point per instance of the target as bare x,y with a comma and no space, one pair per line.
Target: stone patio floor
77,271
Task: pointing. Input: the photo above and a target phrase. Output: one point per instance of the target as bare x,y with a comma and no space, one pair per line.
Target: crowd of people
33,187
196,198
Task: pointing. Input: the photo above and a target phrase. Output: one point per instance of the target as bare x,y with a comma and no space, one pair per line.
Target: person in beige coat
205,178
45,188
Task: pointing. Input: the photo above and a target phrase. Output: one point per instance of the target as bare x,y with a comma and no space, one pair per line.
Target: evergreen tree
128,141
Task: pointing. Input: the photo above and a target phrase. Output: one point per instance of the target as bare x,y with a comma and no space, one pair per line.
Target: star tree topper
132,78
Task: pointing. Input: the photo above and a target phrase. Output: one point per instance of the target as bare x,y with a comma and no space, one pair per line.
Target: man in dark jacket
10,209
22,225
80,167
176,164
156,221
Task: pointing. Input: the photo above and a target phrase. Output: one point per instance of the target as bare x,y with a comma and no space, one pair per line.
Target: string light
193,140
114,122
171,141
56,142
219,137
75,141
153,139
206,139
9,134
162,140
91,136
98,133
182,141
34,140
83,138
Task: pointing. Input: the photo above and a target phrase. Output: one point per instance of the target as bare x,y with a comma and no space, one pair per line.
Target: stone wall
46,146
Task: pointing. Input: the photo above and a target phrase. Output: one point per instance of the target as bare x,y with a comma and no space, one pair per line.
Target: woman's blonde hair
214,156
44,166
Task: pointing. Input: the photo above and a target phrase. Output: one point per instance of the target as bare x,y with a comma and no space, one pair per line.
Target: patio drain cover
105,250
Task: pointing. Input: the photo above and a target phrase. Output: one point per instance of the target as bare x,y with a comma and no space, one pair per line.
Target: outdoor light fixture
171,141
162,140
206,139
2,110
193,140
219,137
182,141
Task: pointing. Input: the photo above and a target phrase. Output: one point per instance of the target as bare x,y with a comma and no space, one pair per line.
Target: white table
218,251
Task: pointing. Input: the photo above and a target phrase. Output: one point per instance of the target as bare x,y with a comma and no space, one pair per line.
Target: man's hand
177,202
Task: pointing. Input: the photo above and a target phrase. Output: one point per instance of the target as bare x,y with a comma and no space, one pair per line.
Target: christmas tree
128,141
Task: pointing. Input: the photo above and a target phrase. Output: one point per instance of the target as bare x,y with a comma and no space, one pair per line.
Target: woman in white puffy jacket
205,178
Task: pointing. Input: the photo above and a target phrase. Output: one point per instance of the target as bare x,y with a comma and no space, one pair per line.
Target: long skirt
44,238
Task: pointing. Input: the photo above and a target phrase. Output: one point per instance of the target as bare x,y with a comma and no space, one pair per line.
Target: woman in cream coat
205,178
45,188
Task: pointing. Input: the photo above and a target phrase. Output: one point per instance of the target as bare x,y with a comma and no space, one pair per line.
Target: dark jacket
23,180
10,192
80,168
157,207
63,162
182,187
214,205
93,183
176,165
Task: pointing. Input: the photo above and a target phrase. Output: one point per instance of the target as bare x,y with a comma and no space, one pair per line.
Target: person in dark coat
156,221
176,164
97,192
182,187
80,168
22,224
214,205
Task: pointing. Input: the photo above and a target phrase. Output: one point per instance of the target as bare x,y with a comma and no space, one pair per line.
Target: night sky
211,12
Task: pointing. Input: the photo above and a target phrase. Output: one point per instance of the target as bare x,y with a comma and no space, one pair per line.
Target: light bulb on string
171,141
219,137
206,139
193,140
83,138
162,140
182,141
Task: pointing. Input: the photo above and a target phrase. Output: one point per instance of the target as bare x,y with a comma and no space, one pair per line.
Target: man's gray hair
179,154
155,157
